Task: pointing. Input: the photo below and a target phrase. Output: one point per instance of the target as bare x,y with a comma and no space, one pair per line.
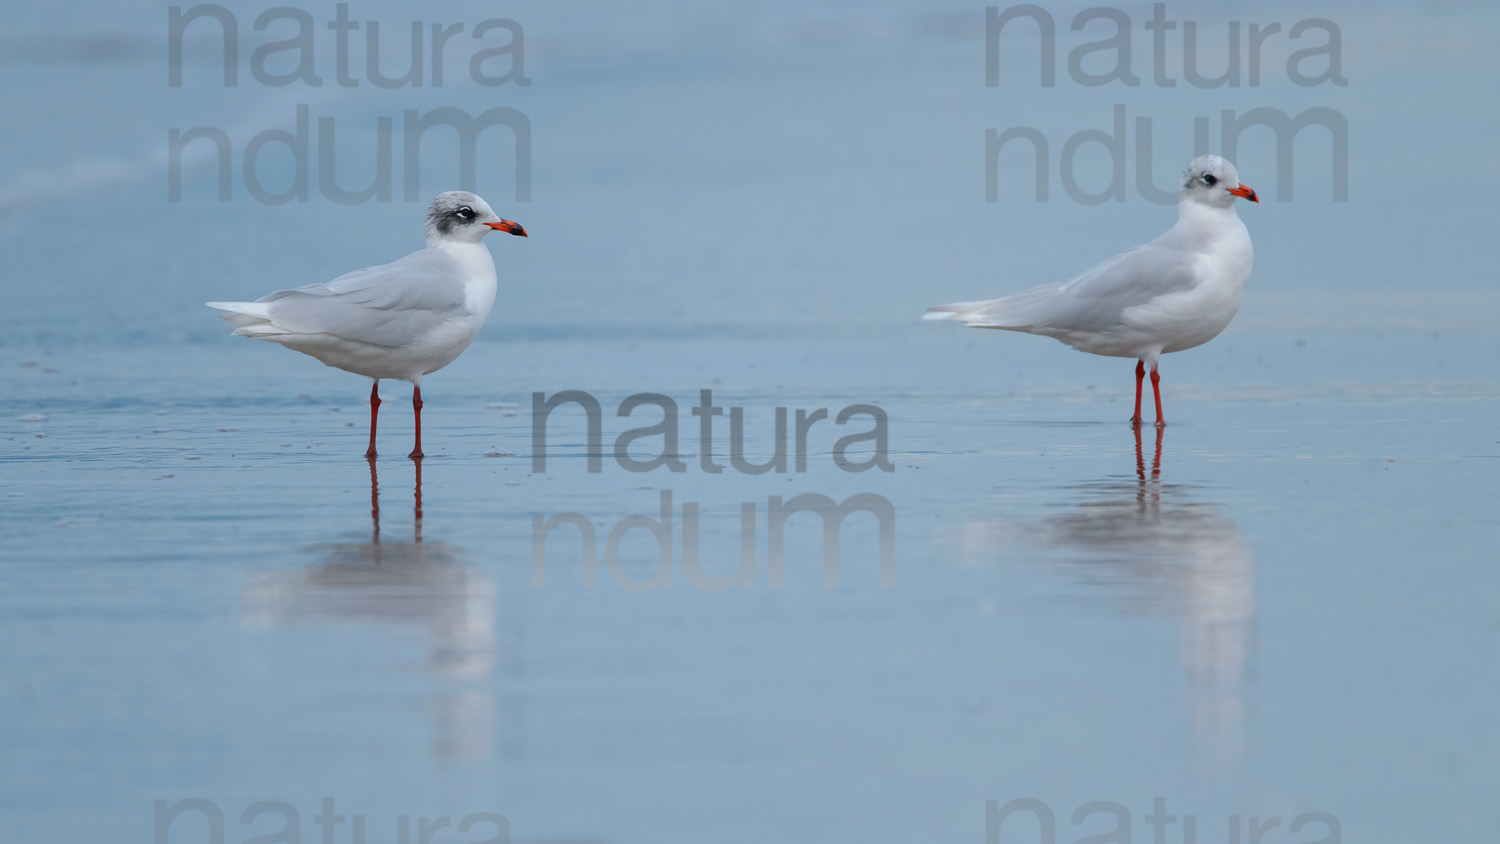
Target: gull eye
464,213
1210,180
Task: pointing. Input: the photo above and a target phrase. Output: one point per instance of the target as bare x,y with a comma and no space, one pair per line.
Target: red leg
374,410
1140,373
416,406
1161,421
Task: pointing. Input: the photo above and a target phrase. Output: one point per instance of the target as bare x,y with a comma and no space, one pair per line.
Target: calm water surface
1283,606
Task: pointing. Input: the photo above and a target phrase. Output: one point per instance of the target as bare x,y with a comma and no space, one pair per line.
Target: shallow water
1281,606
201,601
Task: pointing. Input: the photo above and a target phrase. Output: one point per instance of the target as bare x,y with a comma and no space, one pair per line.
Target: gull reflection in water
1160,552
411,584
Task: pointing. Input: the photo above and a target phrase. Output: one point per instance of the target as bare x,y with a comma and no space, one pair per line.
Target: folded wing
1093,301
388,305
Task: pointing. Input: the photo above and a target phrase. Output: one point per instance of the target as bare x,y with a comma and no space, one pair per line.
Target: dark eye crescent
1210,180
464,213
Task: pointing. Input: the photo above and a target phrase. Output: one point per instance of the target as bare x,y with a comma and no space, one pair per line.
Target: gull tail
1020,312
957,310
252,319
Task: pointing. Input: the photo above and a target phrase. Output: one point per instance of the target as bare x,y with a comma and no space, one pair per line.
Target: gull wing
388,305
1097,299
1091,301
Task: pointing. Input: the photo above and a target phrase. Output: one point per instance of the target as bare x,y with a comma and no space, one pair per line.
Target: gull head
1213,181
462,217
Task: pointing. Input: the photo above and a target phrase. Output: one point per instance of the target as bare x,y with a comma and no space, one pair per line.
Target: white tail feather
1015,313
253,318
956,310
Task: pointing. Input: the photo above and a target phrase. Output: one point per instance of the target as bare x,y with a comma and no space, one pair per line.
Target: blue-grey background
1296,614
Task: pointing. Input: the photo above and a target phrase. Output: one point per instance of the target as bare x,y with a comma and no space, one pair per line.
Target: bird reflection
416,584
1159,552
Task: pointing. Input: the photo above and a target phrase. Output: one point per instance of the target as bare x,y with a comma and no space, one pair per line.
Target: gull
1174,293
400,320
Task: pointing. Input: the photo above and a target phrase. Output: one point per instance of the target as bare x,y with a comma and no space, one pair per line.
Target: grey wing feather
386,305
1096,299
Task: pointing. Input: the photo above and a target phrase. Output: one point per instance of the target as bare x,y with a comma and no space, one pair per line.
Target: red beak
1242,191
508,226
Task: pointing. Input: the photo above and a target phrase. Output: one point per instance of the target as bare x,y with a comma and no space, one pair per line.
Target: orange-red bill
1246,192
508,226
